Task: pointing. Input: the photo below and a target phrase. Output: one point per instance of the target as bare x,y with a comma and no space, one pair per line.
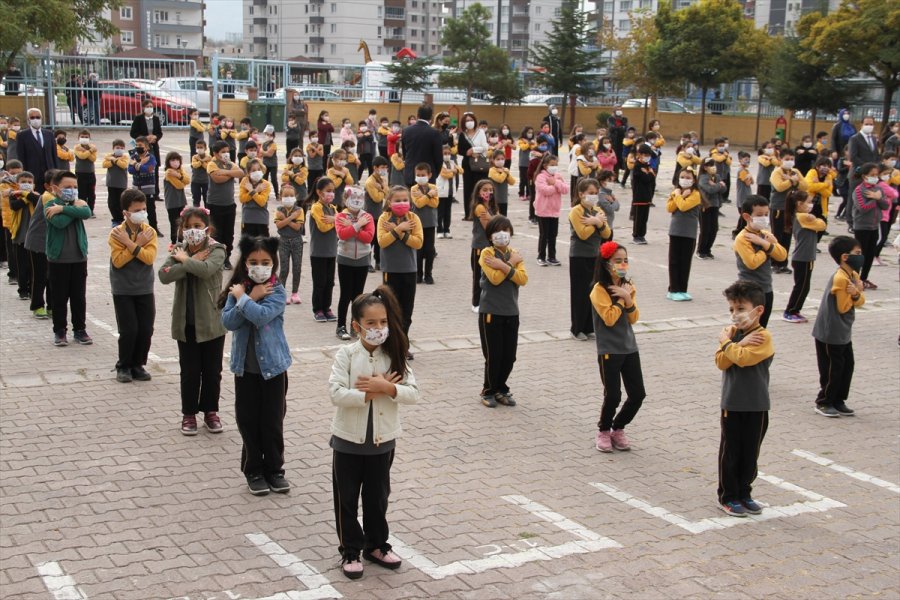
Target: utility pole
499,20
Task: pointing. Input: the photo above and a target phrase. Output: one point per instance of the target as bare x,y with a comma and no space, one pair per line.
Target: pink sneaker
352,567
604,441
386,559
295,299
619,441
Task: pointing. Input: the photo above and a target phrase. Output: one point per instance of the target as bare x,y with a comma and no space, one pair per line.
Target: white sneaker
474,309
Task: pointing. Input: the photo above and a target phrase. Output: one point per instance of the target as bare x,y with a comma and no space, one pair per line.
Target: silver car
194,91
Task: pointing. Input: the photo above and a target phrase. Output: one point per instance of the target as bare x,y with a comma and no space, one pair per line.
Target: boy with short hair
755,248
8,174
22,202
199,177
67,249
132,251
116,165
197,129
744,356
36,245
719,153
425,201
85,157
142,167
833,327
822,143
242,137
784,179
450,169
64,156
643,186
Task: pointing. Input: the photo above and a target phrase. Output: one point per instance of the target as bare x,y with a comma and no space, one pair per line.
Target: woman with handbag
472,147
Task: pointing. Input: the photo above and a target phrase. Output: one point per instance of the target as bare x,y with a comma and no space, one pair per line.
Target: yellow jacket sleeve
843,300
810,221
610,311
198,126
179,183
89,154
120,256
585,231
678,202
752,257
744,175
260,196
422,199
317,215
780,180
731,353
516,274
64,154
374,190
585,168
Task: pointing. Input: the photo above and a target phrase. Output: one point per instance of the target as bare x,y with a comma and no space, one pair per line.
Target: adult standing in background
472,142
36,148
147,125
228,86
555,128
422,143
73,99
92,96
616,125
841,133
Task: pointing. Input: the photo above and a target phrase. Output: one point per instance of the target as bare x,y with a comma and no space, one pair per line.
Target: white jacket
352,415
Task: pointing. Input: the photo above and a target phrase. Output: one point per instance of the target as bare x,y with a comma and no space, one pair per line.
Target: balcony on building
316,40
316,20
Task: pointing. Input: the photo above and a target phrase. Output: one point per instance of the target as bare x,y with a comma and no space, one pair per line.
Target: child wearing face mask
355,231
889,184
290,219
719,153
744,356
365,144
377,187
784,179
243,136
833,327
628,150
768,160
22,201
450,169
643,186
744,188
806,228
64,156
116,165
340,176
820,185
400,236
870,199
608,201
199,176
196,131
222,173
526,145
684,204
502,179
506,143
254,197
589,228
370,379
269,156
132,252
805,154
549,187
229,135
253,310
325,130
323,250
502,274
194,265
174,184
315,159
685,158
36,245
712,191
484,208
394,136
8,175
397,166
425,202
384,129
142,167
606,156
756,248
296,174
613,298
85,156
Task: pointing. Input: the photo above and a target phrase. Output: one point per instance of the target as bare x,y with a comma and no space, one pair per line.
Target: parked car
121,101
549,99
307,94
662,105
194,91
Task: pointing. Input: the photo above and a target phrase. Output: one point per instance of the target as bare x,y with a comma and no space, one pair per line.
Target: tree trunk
703,112
886,106
400,104
562,119
759,101
646,110
469,97
812,124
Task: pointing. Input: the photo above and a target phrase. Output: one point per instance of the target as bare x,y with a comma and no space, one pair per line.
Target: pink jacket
607,160
549,190
891,195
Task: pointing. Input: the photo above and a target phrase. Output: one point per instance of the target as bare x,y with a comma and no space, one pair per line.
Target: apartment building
173,28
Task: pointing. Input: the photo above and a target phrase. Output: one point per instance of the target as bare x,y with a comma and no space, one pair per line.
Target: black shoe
277,483
123,375
342,333
257,484
429,280
140,374
409,356
844,410
419,279
227,265
371,269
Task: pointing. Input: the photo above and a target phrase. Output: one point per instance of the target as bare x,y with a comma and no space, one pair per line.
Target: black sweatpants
87,188
444,212
681,253
254,230
151,211
135,316
531,191
548,228
222,218
709,229
783,237
802,276
201,373
476,276
8,253
499,342
370,476
259,409
272,175
581,272
503,209
615,370
741,438
884,233
836,365
767,308
365,164
353,283
68,285
764,190
199,192
641,216
322,269
868,242
523,180
114,204
425,255
404,287
23,269
40,287
174,215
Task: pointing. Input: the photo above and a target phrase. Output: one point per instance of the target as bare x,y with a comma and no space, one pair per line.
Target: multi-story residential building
781,16
331,31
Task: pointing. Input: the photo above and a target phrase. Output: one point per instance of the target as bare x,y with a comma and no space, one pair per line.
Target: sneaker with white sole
541,262
734,508
827,411
189,425
619,441
213,422
844,410
603,441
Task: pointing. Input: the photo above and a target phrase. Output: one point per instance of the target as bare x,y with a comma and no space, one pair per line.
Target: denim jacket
267,316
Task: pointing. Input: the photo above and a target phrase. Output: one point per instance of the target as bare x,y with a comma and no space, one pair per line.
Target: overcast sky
222,16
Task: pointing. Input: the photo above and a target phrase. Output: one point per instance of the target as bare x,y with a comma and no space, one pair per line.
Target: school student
720,155
176,180
253,310
484,208
450,170
323,250
365,143
869,201
143,167
502,274
684,204
8,184
608,202
222,208
833,327
589,227
269,156
502,178
290,219
296,174
805,228
643,186
194,265
397,166
355,231
339,175
425,201
254,197
890,185
195,131
36,244
400,235
228,135
199,175
315,159
755,248
116,165
744,356
22,203
64,156
369,380
805,155
132,252
67,262
549,187
526,146
712,189
784,179
85,156
376,187
768,160
615,311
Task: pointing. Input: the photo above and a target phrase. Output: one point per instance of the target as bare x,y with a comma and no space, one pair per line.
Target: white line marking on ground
814,503
821,460
58,583
318,587
589,542
113,331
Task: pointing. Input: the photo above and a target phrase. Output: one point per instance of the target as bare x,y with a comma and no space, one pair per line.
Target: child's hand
629,289
364,219
119,235
725,334
180,255
54,210
515,258
623,293
404,226
145,237
79,203
389,226
328,218
237,290
493,262
852,289
754,339
260,291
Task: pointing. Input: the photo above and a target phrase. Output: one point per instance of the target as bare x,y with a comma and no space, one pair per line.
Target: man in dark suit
863,148
422,143
147,125
36,149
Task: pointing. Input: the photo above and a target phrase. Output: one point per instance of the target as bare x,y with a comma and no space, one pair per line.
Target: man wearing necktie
36,149
863,148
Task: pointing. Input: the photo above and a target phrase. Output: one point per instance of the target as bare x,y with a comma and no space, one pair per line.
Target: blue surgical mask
68,195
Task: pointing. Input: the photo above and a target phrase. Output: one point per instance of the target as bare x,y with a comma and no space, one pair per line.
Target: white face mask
686,183
356,203
618,113
340,163
759,223
867,129
741,319
891,163
376,337
148,111
121,151
499,163
296,160
721,149
138,217
607,146
592,199
24,187
421,180
552,169
363,129
769,151
871,180
287,201
689,151
807,144
846,117
787,164
554,112
251,154
296,97
501,238
36,123
885,176
382,173
84,141
470,125
505,131
192,237
255,176
259,273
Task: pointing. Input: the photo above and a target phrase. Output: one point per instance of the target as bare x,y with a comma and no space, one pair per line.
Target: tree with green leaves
797,83
860,37
58,22
570,59
505,88
470,52
708,44
413,74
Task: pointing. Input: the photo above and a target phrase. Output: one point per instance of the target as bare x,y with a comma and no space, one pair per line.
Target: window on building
127,36
125,13
557,11
624,25
412,33
625,5
648,4
537,26
415,18
537,10
334,28
380,14
160,16
608,7
413,47
178,16
394,12
415,4
333,7
306,28
334,48
251,12
276,27
379,33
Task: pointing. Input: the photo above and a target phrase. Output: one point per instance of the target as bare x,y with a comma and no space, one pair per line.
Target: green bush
602,118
